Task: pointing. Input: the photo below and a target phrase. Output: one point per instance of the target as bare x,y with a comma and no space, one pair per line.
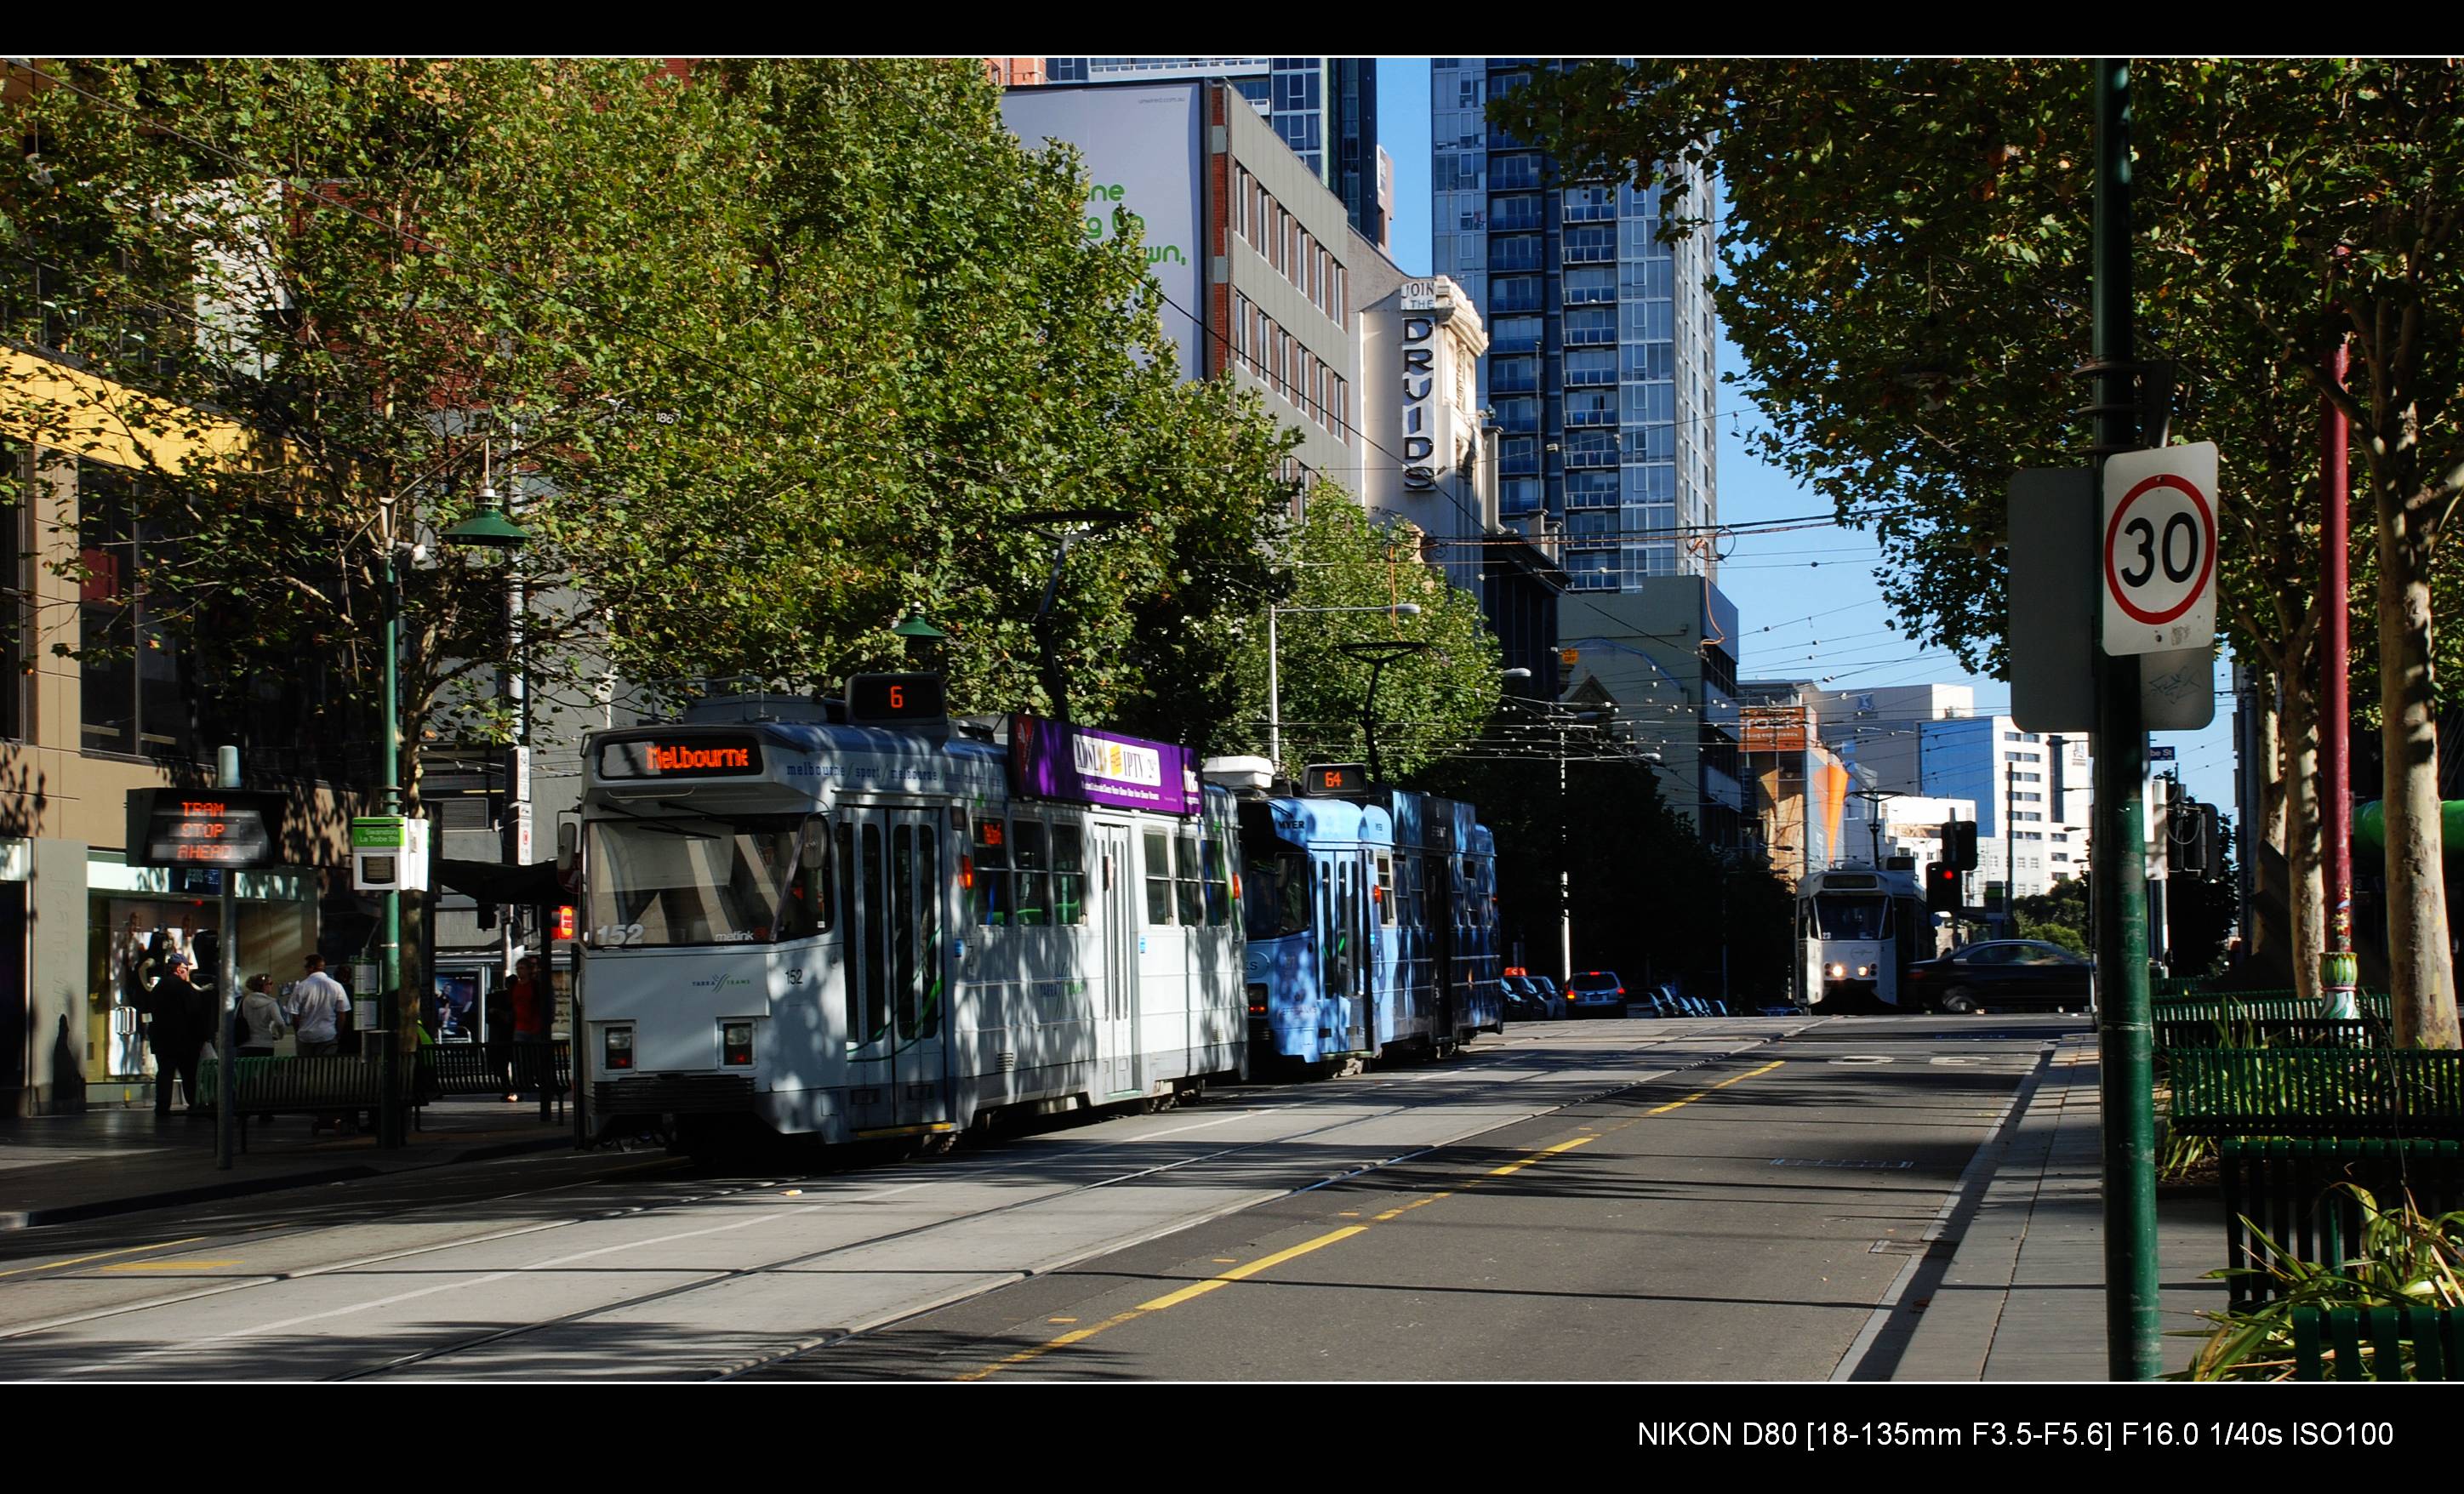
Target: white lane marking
491,1277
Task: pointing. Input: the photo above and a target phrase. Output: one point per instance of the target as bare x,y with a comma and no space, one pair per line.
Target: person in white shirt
316,1004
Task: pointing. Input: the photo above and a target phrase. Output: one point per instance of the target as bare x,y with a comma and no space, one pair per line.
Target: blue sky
1807,601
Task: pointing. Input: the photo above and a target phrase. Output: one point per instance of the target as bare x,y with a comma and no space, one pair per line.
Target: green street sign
377,832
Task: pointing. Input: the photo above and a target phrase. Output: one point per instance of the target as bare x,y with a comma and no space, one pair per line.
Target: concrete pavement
2020,1294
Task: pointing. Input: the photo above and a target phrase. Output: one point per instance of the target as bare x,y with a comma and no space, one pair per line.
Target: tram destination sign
224,827
1080,766
682,755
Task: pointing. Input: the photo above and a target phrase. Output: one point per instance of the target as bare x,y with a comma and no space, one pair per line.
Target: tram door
892,905
1116,1015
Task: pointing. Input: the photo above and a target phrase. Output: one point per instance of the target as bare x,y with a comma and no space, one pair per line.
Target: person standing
317,1003
533,1004
260,1018
177,1034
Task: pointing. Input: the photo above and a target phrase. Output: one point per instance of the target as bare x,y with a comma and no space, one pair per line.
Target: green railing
2378,1343
2340,1091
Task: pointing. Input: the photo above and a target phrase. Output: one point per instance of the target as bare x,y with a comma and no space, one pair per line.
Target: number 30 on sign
2159,557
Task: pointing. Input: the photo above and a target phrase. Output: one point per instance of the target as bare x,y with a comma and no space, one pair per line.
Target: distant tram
861,920
1370,916
1857,931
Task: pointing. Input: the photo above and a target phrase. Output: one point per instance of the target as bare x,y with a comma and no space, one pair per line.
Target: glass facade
1602,359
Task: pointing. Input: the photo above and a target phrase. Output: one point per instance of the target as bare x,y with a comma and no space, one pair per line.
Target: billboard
1144,152
1079,765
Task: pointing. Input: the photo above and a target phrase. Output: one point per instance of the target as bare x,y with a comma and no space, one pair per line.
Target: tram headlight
1835,972
1862,971
617,1046
736,1043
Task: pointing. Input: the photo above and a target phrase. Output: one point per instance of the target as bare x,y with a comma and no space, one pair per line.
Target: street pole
2010,848
1565,883
2133,1338
2335,708
1274,700
226,978
390,1116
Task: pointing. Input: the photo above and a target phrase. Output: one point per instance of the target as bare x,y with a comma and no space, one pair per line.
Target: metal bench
2343,1092
2261,1007
2367,1342
2285,1187
475,1068
2268,1032
303,1086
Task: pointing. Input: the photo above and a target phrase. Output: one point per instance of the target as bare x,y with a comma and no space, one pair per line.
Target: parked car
1551,1002
1596,993
2003,974
1520,1004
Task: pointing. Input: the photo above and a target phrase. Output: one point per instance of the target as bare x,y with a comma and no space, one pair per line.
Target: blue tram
1372,919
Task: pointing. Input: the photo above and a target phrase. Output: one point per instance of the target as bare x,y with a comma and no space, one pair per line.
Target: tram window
1069,874
1158,850
1219,882
807,910
1330,933
992,871
879,912
1193,894
1033,877
856,1031
1385,890
903,931
928,926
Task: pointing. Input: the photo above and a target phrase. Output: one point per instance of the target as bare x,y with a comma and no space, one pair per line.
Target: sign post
2134,1342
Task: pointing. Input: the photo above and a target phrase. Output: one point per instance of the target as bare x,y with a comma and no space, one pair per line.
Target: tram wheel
1957,1001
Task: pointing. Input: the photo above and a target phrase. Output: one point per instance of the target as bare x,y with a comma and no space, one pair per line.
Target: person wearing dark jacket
182,1026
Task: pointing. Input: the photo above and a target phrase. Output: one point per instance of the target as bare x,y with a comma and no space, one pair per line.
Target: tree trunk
2421,969
2304,872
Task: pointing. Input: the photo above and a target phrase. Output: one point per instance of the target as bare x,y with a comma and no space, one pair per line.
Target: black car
2003,974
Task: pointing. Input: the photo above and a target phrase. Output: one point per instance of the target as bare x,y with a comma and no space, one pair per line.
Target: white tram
1857,931
865,931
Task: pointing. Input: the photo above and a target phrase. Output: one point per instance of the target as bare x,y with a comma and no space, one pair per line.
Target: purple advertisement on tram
1079,765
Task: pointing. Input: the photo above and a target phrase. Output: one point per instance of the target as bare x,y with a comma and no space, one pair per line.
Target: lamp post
487,527
1563,717
1274,683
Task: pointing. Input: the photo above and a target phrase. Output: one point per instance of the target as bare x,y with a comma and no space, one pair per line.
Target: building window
133,700
16,475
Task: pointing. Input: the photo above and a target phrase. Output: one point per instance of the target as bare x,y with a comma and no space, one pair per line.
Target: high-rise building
1325,109
1602,358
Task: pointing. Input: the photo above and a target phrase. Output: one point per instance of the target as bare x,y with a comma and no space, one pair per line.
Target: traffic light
1942,888
1959,845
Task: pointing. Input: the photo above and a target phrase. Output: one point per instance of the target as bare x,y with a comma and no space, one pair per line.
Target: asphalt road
1586,1199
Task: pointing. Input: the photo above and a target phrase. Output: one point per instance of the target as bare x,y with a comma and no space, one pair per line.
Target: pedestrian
177,1032
260,1018
317,1003
534,1045
499,1033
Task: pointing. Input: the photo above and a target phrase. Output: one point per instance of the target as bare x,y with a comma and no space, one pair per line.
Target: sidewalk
2022,1297
56,1169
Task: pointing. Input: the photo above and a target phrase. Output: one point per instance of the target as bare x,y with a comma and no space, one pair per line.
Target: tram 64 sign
2159,557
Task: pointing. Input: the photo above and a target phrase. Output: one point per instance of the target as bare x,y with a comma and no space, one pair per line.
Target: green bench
2366,1342
2285,1188
2261,1007
2268,1032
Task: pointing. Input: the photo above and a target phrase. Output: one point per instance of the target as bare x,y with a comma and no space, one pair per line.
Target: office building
1657,659
1324,108
1602,358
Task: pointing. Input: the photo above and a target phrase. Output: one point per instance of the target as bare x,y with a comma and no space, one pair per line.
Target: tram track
989,1167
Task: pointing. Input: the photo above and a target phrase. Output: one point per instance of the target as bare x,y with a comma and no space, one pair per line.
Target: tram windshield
700,880
1275,878
1836,916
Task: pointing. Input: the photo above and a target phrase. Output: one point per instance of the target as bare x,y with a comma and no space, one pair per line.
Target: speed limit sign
2159,556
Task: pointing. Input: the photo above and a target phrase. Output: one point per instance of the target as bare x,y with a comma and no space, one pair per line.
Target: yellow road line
169,1265
103,1254
1238,1273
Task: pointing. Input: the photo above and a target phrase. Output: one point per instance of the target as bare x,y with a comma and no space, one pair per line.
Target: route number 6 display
2159,556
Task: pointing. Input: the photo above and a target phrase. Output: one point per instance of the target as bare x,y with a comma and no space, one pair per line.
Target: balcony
1591,295
1590,254
1591,458
1589,378
1591,337
1591,417
1575,211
